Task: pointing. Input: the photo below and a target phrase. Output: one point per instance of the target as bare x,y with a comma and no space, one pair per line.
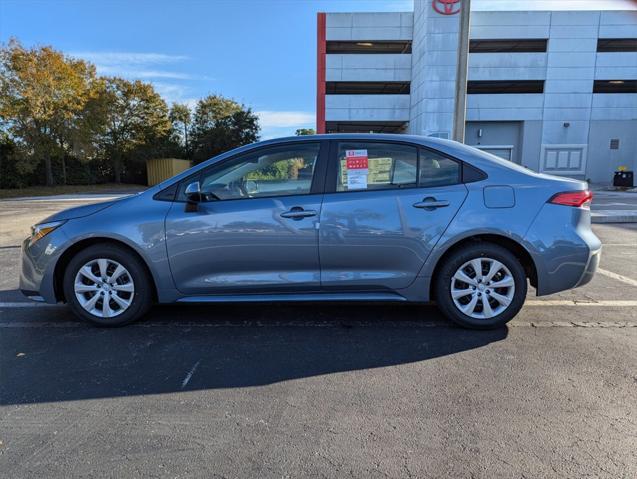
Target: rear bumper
565,249
591,268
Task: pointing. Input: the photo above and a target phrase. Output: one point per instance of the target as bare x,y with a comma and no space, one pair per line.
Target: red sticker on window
357,163
356,159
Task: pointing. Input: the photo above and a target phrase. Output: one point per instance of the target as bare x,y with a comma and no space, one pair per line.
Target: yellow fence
161,169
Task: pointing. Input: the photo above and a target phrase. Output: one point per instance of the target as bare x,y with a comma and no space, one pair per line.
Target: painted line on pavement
618,277
568,302
16,304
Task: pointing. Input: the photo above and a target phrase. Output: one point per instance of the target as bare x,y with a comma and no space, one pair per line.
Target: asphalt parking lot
321,390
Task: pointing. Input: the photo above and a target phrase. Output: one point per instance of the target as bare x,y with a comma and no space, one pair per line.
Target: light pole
461,73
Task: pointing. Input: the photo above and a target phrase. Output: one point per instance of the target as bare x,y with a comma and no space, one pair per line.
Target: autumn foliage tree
220,124
134,115
42,95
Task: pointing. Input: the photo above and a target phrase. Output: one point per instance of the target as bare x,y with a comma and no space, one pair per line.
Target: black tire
442,286
142,298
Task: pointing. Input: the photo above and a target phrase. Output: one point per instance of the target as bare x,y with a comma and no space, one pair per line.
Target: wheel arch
67,255
517,249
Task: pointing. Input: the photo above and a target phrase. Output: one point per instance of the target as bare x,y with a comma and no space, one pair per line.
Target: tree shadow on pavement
179,348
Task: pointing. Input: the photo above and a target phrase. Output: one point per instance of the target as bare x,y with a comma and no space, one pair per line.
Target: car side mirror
193,197
193,192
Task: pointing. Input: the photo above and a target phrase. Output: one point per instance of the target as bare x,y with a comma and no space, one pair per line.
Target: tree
180,117
305,131
42,94
220,124
134,115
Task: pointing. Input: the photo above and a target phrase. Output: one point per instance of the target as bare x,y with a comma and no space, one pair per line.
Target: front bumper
37,270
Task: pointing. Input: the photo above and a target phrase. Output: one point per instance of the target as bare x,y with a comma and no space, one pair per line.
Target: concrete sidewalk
614,207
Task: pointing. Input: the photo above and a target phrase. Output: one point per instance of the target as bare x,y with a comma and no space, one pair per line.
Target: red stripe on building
320,73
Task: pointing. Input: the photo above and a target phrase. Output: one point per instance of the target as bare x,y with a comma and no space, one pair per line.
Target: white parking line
28,305
618,277
568,302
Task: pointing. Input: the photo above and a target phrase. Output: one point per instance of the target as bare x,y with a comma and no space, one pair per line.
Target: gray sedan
323,218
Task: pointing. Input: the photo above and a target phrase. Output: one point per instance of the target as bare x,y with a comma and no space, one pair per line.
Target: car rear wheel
107,285
481,286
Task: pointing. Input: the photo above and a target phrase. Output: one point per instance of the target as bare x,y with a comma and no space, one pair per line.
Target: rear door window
376,166
438,170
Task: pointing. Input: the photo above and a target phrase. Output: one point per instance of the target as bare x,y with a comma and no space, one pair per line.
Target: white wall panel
510,100
522,19
367,101
615,100
522,73
508,60
574,18
504,31
618,31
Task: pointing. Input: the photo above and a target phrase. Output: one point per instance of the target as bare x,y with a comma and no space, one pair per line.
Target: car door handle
298,213
431,203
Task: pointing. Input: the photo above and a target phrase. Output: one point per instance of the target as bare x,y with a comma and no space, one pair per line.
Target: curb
613,217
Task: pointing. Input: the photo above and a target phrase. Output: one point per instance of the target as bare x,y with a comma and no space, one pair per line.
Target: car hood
80,211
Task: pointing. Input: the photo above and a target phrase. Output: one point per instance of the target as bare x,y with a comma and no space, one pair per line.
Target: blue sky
259,52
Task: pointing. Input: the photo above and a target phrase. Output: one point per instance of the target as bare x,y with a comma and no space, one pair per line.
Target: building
555,91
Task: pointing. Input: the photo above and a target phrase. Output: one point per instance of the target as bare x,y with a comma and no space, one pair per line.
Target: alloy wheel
104,288
482,288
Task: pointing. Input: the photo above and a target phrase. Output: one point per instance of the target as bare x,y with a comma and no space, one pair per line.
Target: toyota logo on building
446,7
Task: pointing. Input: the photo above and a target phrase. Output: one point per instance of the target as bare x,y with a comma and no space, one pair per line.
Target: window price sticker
356,159
357,165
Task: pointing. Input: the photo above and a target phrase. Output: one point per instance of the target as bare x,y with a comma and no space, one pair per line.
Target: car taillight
573,198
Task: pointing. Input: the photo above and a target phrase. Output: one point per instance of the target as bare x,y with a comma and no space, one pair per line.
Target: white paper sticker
357,179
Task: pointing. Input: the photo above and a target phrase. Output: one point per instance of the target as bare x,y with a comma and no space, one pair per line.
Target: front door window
281,171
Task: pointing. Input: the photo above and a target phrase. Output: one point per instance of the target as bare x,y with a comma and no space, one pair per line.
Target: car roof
423,140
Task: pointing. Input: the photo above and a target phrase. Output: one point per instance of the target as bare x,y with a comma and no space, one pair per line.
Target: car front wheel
481,286
107,285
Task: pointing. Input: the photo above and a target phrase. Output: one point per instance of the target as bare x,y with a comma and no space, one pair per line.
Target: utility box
625,179
161,169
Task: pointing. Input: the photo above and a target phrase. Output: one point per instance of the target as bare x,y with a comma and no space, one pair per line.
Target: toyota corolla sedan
323,218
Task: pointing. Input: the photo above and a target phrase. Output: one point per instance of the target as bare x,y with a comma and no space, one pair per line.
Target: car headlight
40,231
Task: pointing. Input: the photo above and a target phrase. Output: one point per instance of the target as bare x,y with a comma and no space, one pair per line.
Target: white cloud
140,74
136,65
285,119
174,93
129,58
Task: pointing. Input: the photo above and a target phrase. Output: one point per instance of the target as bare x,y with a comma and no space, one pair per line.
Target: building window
369,46
508,46
615,86
366,88
617,45
366,127
505,86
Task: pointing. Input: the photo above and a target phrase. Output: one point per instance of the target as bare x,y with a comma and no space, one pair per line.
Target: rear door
386,205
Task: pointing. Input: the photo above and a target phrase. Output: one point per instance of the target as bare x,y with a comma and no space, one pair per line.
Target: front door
255,230
388,206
